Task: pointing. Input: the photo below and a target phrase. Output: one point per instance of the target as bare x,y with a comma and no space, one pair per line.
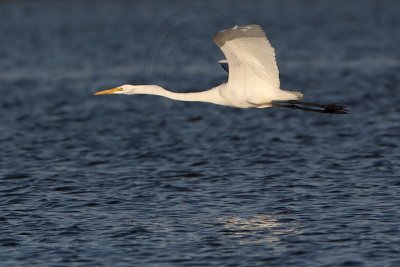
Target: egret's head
123,89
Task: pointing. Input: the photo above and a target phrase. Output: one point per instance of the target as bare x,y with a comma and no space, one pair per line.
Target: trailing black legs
313,107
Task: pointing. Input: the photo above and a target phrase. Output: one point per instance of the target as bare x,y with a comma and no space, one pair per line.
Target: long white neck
210,96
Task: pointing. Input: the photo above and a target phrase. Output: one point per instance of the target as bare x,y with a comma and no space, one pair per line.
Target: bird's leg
329,106
294,104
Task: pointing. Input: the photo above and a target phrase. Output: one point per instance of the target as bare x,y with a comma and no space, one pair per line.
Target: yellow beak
108,91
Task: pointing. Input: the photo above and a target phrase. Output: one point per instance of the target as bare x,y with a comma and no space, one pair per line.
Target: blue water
146,181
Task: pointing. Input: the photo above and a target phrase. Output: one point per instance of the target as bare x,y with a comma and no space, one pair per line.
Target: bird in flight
253,77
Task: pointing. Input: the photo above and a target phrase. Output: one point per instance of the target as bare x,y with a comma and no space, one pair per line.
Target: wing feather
251,57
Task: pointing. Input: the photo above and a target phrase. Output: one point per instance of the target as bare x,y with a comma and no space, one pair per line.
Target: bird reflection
260,228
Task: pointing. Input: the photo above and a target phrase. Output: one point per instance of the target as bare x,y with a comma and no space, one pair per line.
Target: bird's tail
298,95
285,95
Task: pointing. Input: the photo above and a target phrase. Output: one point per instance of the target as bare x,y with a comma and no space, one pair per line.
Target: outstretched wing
250,56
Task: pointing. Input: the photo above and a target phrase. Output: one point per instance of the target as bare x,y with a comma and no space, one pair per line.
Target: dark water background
145,181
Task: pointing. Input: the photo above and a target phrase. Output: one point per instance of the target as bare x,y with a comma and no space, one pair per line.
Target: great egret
253,80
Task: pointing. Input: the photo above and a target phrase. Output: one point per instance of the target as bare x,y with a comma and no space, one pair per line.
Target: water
145,181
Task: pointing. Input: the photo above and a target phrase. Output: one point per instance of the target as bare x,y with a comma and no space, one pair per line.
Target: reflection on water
257,229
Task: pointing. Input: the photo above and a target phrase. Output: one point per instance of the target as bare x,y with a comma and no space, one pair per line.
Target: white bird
253,80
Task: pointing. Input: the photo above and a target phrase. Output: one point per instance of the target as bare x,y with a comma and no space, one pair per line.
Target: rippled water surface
145,181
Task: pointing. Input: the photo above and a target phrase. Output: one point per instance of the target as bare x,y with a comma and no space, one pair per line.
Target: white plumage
253,73
253,77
